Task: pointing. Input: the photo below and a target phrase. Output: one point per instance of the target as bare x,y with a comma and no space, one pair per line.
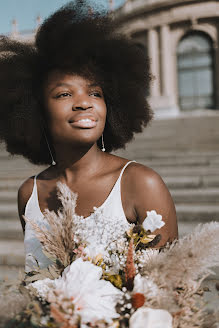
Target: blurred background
181,38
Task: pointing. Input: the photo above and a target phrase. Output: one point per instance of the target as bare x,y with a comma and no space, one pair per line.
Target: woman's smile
86,121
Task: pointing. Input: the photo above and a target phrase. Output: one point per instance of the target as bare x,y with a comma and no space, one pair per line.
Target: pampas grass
189,259
179,271
57,240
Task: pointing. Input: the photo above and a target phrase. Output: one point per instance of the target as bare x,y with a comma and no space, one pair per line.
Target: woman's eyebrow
65,84
60,84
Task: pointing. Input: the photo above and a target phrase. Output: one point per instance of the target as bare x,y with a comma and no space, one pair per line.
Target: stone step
170,145
177,182
185,228
185,162
11,229
10,273
185,171
17,174
198,195
8,212
138,148
8,196
199,213
11,252
165,154
7,184
18,162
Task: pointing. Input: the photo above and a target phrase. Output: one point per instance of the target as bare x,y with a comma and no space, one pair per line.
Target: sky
26,11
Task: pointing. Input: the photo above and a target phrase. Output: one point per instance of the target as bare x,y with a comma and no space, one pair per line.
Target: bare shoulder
148,186
141,176
149,193
24,193
26,186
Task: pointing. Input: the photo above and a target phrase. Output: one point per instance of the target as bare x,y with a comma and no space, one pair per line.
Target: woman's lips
84,123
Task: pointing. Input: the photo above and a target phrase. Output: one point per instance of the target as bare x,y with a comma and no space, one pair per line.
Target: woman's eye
64,94
97,94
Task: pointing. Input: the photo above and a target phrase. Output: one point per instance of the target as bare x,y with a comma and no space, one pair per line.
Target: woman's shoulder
24,193
137,174
146,191
25,189
142,179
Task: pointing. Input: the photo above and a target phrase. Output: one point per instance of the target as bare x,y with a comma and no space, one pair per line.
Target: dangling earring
53,162
103,147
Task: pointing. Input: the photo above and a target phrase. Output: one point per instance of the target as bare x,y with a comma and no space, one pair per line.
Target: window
195,72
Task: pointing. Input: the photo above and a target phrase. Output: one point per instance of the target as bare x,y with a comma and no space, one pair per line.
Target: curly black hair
74,41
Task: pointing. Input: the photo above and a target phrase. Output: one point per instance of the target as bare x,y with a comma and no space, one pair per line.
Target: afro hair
72,40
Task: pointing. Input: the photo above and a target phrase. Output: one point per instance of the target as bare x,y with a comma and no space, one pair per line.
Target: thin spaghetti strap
35,177
124,167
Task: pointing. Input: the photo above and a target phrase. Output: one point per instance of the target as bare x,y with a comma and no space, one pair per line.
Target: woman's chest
93,194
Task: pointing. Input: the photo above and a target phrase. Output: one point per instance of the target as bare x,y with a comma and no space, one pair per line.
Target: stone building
181,39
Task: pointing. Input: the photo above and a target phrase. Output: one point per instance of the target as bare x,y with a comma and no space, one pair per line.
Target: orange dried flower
138,300
130,271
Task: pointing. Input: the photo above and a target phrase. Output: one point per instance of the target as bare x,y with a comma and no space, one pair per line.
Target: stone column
153,52
216,67
166,62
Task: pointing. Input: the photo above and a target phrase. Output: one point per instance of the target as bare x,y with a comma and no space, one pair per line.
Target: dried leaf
147,239
115,279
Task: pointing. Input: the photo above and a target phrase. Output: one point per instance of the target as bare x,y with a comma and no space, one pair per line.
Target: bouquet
106,277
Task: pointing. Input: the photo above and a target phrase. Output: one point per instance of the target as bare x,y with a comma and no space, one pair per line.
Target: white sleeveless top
111,208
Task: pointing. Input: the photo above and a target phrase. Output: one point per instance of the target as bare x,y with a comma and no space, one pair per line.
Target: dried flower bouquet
121,282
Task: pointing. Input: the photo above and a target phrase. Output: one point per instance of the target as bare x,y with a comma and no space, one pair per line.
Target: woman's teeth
84,123
85,120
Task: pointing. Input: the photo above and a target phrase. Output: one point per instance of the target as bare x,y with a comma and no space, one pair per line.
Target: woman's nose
82,103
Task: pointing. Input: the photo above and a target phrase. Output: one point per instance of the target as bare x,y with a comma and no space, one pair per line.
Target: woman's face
75,109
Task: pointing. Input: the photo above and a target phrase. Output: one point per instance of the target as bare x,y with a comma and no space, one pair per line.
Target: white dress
112,211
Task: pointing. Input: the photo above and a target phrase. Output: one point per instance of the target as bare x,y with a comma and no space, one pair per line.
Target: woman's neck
72,164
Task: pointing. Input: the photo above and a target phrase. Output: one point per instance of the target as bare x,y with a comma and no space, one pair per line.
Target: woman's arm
23,195
152,194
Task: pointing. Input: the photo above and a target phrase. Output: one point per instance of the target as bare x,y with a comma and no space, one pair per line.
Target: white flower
93,298
150,318
43,287
153,221
145,286
93,251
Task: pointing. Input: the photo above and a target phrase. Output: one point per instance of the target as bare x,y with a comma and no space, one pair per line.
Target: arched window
195,72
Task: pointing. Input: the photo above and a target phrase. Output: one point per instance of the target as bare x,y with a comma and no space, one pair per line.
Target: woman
70,100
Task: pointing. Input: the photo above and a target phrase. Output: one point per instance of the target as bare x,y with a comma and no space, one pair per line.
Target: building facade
181,38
